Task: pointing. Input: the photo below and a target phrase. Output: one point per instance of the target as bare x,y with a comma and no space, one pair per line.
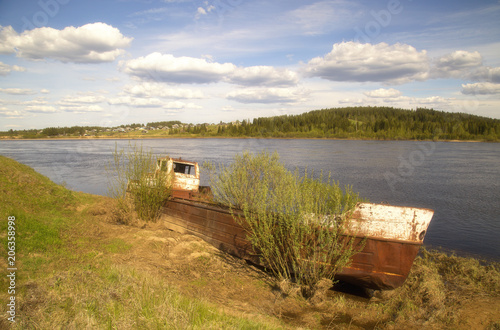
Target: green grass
117,245
43,213
66,279
111,297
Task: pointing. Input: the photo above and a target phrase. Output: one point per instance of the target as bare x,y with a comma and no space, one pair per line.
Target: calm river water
459,181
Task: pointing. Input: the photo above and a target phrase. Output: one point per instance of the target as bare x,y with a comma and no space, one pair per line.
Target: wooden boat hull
384,263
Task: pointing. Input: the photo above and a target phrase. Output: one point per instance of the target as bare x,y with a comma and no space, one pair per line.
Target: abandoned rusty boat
392,234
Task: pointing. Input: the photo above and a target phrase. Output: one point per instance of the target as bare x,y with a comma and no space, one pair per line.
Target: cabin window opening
162,165
184,168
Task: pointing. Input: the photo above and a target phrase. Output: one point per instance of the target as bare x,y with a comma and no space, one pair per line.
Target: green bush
133,182
296,223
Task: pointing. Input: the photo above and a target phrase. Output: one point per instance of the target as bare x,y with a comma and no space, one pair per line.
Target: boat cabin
186,175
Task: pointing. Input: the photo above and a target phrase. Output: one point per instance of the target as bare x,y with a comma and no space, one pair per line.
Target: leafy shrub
133,183
296,223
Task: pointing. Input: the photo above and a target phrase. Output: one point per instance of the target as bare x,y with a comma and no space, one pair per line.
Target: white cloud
170,69
204,11
176,105
7,34
151,102
482,88
467,66
5,112
357,62
228,109
208,57
401,101
351,101
37,101
90,43
81,104
384,93
322,16
41,109
486,74
263,76
146,16
167,68
148,89
17,91
137,102
82,108
78,100
269,95
148,12
457,64
6,69
431,101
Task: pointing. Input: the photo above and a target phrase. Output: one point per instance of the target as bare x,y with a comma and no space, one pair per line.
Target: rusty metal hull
213,224
384,263
381,265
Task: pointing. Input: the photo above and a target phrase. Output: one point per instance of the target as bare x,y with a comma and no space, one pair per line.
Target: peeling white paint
390,222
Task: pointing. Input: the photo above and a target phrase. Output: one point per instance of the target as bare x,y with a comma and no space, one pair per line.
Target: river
459,181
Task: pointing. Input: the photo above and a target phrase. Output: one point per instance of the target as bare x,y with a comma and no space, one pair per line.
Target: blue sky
106,63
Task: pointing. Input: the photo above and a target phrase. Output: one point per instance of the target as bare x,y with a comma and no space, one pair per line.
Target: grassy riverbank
77,268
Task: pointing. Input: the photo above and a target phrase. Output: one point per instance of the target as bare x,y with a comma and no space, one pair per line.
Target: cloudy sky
112,62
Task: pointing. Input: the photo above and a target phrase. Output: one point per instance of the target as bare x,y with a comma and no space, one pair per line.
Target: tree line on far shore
380,123
377,123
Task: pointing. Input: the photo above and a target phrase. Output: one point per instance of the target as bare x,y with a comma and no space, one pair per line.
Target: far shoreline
229,137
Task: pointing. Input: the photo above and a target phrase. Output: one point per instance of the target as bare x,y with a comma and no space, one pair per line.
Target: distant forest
381,123
376,123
